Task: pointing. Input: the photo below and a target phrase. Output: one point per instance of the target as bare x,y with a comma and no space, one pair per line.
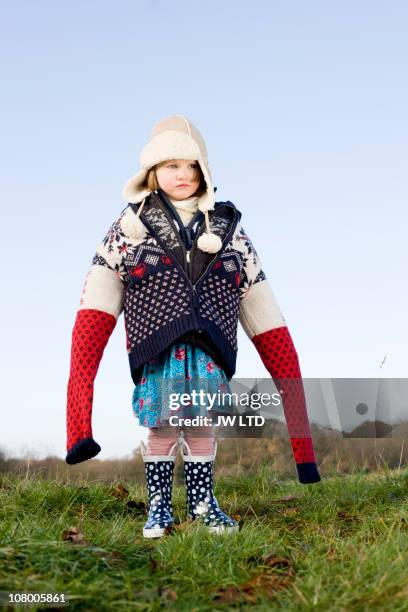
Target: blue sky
303,108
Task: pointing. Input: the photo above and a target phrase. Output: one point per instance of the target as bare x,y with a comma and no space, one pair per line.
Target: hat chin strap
138,229
209,242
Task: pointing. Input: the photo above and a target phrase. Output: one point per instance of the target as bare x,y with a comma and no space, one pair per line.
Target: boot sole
219,529
154,533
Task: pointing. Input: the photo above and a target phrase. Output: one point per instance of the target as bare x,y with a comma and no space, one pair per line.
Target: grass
341,544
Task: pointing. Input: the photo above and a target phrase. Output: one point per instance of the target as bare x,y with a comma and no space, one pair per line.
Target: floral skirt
182,381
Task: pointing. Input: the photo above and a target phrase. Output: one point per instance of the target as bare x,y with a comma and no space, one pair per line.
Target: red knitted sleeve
280,358
265,325
90,335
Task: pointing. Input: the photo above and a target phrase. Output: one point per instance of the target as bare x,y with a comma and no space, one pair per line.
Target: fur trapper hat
173,137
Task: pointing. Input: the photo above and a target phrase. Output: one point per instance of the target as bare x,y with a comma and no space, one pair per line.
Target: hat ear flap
207,200
133,191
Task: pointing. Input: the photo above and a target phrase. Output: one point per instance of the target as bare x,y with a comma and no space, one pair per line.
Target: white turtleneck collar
186,208
189,204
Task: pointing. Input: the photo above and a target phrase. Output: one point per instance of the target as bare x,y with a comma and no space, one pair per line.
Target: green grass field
341,544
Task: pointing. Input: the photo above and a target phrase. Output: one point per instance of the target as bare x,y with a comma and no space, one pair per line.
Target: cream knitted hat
173,137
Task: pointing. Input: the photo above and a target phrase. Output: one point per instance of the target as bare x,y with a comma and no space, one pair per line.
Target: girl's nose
182,173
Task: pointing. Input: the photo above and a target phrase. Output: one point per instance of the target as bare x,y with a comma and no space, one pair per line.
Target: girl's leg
200,439
161,439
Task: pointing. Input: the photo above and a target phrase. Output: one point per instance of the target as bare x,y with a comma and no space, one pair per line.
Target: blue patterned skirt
183,369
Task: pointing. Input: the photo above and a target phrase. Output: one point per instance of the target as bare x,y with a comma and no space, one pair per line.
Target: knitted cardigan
169,292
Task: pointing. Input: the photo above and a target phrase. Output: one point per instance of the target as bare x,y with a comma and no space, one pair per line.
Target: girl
182,269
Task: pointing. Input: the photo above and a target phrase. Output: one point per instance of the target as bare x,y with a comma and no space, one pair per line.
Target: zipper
196,301
187,229
188,272
188,251
164,247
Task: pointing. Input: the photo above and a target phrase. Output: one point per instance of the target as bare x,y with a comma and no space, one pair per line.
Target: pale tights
199,439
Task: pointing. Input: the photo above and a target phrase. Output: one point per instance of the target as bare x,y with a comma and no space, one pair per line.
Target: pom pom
209,243
132,225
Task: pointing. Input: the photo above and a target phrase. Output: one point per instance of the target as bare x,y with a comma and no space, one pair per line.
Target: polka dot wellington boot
159,479
201,502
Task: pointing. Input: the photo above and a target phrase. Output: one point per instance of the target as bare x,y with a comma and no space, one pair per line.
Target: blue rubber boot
201,501
159,479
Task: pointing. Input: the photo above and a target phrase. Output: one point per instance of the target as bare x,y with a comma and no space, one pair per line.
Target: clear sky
303,106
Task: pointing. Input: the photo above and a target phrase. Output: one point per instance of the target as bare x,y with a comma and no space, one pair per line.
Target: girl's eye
176,165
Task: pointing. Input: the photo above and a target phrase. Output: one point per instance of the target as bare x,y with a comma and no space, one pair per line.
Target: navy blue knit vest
177,292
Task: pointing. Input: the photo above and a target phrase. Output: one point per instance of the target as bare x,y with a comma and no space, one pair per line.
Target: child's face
178,178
